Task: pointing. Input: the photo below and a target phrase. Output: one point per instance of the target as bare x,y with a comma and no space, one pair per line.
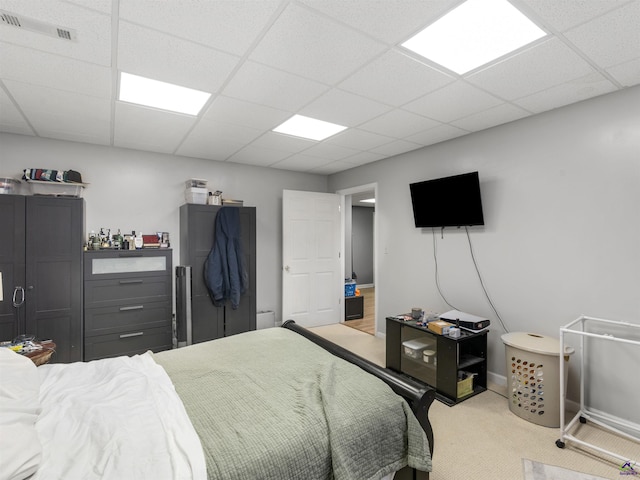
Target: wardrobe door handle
134,307
129,335
129,282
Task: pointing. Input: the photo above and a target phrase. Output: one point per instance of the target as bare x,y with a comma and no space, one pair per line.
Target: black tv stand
468,353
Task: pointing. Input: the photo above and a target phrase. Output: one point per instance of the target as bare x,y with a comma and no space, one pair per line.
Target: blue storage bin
350,289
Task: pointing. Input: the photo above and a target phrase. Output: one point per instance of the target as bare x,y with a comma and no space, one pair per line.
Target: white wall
561,196
142,191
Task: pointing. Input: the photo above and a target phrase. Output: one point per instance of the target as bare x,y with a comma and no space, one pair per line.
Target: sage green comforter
270,404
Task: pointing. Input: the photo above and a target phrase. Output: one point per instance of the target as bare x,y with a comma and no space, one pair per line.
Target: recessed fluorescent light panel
368,200
474,34
166,96
305,127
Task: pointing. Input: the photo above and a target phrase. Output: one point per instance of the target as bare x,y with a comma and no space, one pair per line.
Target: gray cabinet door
196,239
55,232
12,223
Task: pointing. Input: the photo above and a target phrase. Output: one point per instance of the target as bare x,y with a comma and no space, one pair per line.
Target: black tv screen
447,202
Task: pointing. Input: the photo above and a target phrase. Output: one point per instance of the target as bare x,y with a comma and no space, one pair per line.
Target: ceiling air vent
36,26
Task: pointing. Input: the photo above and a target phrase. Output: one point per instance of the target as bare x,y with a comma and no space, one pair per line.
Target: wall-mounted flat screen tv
447,202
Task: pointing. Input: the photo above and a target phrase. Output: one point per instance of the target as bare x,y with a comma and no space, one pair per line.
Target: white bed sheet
115,418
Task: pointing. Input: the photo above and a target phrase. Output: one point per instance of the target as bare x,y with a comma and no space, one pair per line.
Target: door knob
286,268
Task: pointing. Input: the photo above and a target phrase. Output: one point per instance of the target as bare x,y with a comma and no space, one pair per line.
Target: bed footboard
418,396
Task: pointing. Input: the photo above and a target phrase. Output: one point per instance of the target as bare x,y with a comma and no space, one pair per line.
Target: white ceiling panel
273,88
93,30
437,134
62,73
156,55
563,14
310,45
490,118
231,26
391,21
285,143
261,157
11,120
399,123
533,70
149,129
611,39
395,79
344,108
265,60
395,148
452,102
358,139
301,163
63,115
239,112
574,91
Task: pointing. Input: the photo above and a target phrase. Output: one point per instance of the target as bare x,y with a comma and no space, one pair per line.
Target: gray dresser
127,302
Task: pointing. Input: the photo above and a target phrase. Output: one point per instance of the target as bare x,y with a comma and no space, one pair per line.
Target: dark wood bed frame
418,395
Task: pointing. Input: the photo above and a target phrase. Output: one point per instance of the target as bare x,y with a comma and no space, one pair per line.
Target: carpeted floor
481,439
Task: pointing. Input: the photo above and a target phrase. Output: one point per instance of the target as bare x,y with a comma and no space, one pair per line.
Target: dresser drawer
131,342
102,293
103,320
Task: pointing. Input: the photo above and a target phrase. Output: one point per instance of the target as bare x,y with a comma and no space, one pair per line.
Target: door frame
350,191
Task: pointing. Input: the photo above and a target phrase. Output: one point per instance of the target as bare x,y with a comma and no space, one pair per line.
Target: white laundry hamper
533,376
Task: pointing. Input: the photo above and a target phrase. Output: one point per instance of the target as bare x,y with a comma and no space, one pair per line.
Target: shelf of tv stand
467,353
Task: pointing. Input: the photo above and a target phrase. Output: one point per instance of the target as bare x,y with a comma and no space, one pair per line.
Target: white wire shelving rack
602,419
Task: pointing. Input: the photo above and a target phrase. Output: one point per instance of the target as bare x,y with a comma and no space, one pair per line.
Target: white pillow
19,409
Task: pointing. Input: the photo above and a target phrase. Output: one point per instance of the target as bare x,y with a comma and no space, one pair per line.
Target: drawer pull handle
134,307
129,282
129,255
129,335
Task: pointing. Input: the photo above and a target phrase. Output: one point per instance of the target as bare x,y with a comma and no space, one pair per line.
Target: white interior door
312,281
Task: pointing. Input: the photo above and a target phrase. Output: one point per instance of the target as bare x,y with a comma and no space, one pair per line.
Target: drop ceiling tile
363,158
11,120
395,148
451,102
330,151
149,129
573,91
344,108
331,168
221,131
301,163
282,142
562,15
398,124
389,21
437,134
627,74
272,88
611,39
48,70
93,30
310,45
395,79
103,6
63,115
239,112
203,146
538,68
262,157
357,139
231,26
156,55
490,118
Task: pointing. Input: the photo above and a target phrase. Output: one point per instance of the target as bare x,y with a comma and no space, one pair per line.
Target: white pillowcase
19,410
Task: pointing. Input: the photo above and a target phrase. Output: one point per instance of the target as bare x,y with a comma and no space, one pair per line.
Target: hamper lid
533,342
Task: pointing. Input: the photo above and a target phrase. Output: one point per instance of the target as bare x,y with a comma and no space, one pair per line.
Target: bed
279,403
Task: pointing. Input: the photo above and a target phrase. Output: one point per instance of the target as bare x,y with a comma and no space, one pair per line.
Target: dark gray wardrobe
41,263
196,239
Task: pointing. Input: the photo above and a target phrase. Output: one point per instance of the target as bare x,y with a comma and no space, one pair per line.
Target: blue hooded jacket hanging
225,272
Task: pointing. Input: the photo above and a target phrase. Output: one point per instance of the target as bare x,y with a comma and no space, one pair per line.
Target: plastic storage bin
350,289
533,376
414,348
196,195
